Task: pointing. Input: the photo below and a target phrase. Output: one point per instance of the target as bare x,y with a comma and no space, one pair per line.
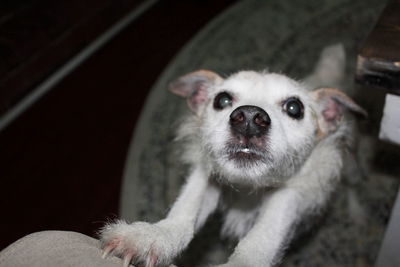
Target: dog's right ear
194,87
333,106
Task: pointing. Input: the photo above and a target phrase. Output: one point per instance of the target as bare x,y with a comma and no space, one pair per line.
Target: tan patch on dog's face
319,133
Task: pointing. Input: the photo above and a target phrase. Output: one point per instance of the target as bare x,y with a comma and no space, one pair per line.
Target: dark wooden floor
62,160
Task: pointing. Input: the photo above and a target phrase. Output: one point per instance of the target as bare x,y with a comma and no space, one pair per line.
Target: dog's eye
222,100
294,108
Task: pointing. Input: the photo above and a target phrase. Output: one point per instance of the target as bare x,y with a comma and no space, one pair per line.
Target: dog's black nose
250,121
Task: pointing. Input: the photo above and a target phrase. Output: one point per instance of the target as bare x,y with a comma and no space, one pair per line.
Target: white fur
262,201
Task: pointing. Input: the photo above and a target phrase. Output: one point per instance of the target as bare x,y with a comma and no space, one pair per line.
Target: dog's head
259,128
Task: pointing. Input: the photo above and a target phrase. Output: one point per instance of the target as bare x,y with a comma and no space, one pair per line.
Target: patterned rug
283,36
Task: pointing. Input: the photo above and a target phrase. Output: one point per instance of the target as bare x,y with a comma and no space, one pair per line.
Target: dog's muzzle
249,127
250,121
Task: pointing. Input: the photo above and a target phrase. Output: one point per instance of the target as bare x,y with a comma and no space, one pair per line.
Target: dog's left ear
194,87
333,106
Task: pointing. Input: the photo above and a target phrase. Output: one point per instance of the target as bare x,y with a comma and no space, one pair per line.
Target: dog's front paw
140,242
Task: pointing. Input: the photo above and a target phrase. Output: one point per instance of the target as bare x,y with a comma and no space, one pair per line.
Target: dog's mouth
244,149
245,154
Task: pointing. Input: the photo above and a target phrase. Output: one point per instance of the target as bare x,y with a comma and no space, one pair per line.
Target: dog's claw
151,260
127,259
107,250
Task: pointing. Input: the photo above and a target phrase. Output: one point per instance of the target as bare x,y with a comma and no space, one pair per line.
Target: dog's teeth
246,150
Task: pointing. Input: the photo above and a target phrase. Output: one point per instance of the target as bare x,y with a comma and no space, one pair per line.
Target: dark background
62,160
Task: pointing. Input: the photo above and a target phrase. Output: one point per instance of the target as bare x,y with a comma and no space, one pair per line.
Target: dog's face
259,128
258,125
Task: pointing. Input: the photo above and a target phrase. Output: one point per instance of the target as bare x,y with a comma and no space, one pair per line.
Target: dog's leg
209,205
157,244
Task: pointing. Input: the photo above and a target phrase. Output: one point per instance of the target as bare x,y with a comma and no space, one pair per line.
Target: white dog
263,149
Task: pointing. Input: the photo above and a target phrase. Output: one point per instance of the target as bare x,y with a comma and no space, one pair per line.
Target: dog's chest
240,208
